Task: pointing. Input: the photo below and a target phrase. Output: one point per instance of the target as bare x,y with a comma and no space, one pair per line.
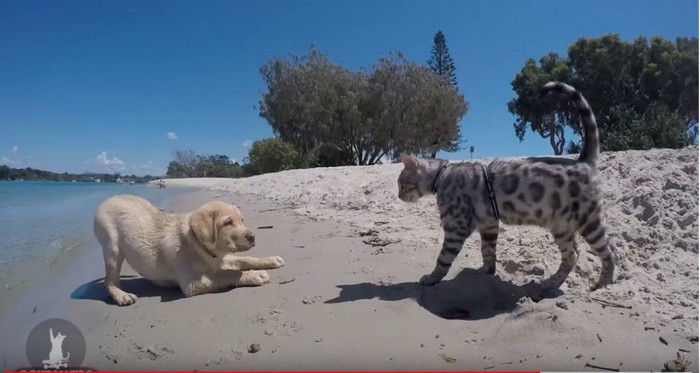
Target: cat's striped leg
455,235
489,238
595,233
565,239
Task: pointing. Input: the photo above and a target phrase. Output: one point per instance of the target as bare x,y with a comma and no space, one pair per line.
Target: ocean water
40,222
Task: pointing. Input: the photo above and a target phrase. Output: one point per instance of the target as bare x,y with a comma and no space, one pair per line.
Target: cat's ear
409,161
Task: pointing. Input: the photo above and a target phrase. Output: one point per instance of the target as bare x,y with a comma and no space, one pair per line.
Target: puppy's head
219,228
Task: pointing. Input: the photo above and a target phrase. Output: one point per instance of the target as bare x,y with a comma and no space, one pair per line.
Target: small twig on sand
277,209
610,304
34,311
266,227
282,282
599,339
589,365
662,340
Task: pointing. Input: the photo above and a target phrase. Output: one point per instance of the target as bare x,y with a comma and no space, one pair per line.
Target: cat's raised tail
591,146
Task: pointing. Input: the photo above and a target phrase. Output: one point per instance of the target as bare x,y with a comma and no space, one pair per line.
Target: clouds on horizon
15,159
112,164
7,162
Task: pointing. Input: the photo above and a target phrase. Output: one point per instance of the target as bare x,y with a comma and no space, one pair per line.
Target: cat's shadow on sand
471,295
142,288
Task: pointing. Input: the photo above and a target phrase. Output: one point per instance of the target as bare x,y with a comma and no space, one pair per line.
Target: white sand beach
348,299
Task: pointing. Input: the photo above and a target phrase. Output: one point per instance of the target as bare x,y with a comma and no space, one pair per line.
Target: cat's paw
489,270
429,280
600,285
604,280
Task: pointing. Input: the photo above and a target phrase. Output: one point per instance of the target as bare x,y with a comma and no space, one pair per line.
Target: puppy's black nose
250,236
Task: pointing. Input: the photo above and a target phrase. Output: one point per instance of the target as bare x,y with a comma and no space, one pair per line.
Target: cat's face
60,337
410,179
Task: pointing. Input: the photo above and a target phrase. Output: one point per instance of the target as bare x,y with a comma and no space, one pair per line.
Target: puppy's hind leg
113,267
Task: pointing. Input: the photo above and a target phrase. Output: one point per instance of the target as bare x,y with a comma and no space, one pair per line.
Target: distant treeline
32,174
187,163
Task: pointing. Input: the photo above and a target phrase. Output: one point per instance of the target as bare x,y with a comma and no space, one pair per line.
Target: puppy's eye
228,221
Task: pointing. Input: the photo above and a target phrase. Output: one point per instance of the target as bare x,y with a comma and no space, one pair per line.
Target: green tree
273,155
316,105
312,102
413,110
189,164
442,64
176,171
440,60
573,147
644,92
186,161
547,118
217,166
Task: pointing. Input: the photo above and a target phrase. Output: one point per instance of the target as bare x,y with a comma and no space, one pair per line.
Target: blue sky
107,86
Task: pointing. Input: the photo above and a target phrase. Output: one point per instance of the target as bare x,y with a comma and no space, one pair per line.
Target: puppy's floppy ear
409,161
202,223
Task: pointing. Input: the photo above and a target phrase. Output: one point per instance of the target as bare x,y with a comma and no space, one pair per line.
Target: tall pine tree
440,61
442,64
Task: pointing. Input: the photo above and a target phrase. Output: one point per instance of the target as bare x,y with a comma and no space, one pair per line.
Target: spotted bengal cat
559,194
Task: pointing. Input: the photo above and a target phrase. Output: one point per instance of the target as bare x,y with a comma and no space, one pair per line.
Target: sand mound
651,199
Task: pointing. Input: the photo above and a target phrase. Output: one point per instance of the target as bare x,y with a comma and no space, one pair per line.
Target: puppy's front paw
275,262
124,299
429,280
257,278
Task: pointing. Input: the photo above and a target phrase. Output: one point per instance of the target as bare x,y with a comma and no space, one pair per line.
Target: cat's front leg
456,232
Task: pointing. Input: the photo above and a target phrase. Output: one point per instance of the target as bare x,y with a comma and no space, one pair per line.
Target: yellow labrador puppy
195,251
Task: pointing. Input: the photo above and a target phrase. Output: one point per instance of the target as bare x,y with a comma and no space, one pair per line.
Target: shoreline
36,299
50,260
48,265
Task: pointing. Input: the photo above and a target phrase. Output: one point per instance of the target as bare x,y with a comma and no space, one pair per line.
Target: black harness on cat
489,186
437,178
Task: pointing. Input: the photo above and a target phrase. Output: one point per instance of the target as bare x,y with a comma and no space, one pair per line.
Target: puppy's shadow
471,295
142,288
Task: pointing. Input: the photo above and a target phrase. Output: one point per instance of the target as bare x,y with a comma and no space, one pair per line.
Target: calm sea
40,222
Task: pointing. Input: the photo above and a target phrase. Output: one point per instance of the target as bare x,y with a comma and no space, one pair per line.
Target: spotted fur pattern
559,194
